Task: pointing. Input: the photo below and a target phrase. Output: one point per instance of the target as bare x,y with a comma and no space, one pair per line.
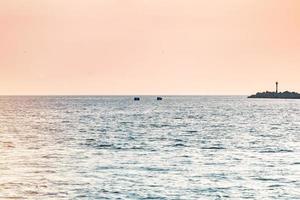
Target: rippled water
178,148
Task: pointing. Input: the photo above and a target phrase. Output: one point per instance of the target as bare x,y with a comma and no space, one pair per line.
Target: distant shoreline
276,95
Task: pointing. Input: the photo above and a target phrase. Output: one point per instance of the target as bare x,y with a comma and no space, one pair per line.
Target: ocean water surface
184,147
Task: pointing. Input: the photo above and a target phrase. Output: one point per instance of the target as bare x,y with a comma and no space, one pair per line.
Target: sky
126,47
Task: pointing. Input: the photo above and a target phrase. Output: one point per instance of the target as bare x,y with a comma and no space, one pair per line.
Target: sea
183,147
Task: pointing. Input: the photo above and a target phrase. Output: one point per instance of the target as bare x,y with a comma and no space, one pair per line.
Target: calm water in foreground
178,148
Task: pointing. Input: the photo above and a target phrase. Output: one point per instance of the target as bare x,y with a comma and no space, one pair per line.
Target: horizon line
7,95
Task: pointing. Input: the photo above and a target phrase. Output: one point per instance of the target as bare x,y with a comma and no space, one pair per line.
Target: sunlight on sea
205,147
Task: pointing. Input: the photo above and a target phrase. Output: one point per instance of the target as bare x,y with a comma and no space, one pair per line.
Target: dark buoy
159,98
136,98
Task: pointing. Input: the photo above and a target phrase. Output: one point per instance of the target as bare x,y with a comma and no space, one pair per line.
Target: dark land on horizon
276,95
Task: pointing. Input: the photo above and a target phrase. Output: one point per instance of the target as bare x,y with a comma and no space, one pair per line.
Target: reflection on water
178,148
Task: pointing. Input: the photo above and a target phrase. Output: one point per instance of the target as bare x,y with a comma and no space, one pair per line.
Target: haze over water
184,147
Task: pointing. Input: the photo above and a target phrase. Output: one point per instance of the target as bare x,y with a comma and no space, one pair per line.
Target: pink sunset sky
104,47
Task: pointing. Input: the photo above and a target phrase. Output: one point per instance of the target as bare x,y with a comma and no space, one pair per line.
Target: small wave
131,138
191,116
109,167
126,123
8,145
150,198
185,156
177,118
192,131
277,151
90,139
137,148
115,147
49,156
103,146
275,186
159,125
214,164
101,130
213,148
30,192
11,197
179,145
268,179
44,171
154,169
178,140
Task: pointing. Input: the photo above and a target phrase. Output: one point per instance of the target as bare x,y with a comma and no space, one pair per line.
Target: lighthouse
276,87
